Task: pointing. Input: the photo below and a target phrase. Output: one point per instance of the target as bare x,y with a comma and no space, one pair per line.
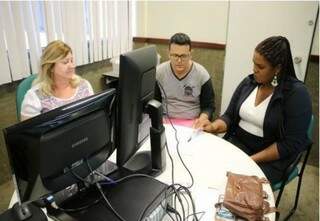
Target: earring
274,81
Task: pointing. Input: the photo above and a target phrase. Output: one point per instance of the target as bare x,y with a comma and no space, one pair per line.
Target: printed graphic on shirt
188,91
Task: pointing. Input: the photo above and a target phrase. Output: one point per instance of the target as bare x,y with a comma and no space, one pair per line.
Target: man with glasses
184,86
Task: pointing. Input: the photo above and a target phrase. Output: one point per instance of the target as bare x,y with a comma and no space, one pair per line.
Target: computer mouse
21,212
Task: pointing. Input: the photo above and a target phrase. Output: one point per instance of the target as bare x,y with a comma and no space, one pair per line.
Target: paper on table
189,142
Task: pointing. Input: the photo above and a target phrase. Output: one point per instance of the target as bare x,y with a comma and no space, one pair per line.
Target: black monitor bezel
103,101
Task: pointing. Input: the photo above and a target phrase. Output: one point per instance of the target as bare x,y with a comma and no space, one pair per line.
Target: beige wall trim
195,44
314,58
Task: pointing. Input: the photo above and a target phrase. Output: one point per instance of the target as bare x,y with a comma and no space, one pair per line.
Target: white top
35,102
252,117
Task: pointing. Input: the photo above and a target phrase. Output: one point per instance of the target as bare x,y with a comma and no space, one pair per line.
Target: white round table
208,157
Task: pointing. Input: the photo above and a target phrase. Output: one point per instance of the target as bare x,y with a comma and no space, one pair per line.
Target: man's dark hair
276,50
180,39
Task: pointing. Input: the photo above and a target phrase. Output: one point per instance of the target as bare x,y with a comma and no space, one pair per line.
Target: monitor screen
46,151
137,80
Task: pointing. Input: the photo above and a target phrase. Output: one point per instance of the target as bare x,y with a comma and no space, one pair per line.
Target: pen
194,133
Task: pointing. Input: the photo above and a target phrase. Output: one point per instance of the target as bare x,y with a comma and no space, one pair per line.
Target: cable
108,203
176,135
52,202
186,200
172,165
79,177
110,181
176,190
50,199
120,180
103,195
173,210
54,205
201,212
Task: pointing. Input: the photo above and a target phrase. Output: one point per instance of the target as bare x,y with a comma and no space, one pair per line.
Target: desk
208,157
111,79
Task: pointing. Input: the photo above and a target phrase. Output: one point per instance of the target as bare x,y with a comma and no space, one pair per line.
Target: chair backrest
310,128
290,172
22,89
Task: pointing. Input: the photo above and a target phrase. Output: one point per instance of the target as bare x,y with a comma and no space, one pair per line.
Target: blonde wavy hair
54,52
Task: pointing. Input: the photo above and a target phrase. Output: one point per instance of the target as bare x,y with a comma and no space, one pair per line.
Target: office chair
292,172
22,89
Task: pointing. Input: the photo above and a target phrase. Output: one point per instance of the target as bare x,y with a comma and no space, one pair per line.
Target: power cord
51,201
108,203
176,135
103,195
180,197
176,192
173,210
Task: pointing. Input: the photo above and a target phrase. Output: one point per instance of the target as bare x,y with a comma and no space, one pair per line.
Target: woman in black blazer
269,113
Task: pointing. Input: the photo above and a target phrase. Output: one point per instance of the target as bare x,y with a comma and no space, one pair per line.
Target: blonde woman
57,83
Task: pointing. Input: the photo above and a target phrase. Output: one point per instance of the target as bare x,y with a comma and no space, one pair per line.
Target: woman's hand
217,126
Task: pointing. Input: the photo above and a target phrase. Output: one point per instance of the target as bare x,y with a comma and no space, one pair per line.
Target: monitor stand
152,162
141,163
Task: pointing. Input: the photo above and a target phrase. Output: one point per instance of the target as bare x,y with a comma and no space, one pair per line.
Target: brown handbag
245,198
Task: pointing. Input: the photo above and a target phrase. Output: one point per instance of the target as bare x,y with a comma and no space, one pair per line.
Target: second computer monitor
137,80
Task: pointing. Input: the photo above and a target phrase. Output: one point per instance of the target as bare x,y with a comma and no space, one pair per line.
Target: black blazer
287,116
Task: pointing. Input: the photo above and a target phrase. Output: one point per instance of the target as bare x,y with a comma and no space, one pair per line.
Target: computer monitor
138,114
48,151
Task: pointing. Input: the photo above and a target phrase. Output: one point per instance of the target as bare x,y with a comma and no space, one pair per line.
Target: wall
203,20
